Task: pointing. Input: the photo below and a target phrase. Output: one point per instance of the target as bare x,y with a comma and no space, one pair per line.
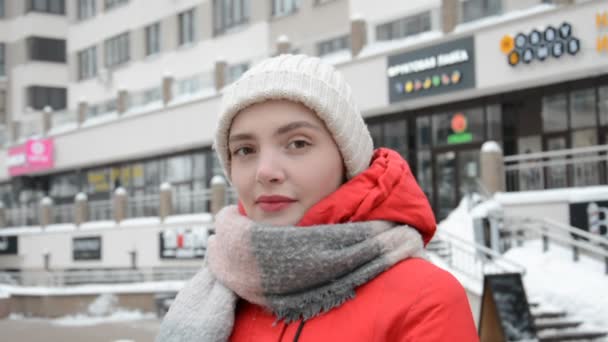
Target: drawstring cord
300,327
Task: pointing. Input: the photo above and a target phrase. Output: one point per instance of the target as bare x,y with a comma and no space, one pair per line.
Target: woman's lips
274,203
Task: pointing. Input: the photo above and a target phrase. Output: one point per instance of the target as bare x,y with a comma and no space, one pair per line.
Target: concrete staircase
557,325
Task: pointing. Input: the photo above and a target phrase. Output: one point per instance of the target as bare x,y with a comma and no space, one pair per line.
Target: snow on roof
150,287
501,18
192,218
140,221
572,195
380,47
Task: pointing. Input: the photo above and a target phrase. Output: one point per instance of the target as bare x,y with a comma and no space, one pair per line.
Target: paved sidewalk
34,330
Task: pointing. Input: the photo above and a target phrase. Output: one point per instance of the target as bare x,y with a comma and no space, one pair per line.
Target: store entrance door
456,174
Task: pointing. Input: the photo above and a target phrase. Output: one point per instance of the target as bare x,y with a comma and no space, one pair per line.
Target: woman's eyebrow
238,137
295,125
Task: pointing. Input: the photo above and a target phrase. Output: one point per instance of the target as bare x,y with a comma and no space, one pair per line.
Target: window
1,8
321,2
284,7
152,39
117,50
109,4
2,60
46,49
332,45
228,14
602,104
555,113
86,9
87,63
395,136
40,97
47,6
235,71
2,110
375,130
186,27
477,9
404,27
582,108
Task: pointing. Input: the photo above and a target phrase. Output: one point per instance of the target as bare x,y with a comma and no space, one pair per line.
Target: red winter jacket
411,301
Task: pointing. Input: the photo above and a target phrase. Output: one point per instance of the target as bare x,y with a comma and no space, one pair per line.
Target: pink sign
34,155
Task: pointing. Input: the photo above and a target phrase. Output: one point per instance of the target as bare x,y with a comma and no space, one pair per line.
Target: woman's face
283,161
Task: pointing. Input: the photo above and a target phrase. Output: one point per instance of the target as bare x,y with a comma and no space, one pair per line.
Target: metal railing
101,109
580,241
63,213
27,215
474,259
201,83
143,205
100,210
80,277
557,169
145,97
65,117
192,202
30,127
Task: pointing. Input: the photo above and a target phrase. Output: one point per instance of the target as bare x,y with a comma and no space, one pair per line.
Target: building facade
142,81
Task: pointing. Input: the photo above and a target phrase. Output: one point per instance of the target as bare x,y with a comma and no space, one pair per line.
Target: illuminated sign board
33,156
433,70
552,42
86,248
459,127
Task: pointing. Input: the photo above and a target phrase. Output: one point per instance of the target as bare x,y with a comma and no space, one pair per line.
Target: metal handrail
492,258
79,277
556,153
555,162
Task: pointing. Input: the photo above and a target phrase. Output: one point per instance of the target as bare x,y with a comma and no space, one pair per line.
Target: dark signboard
433,70
8,245
183,243
590,216
505,312
86,248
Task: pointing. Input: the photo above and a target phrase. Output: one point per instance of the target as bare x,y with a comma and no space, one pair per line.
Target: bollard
81,209
119,204
218,194
83,108
165,205
492,167
358,34
545,243
122,101
221,69
46,211
283,45
167,85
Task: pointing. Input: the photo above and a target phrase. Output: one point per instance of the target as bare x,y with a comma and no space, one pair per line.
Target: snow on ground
552,278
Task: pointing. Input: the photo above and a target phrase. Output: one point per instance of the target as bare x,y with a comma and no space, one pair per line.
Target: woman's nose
269,169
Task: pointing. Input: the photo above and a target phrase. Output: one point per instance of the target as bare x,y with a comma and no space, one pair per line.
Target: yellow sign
506,44
601,22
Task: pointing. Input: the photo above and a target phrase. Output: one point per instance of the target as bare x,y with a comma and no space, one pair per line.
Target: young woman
327,241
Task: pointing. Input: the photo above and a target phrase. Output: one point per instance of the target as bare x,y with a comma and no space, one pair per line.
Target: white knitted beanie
306,80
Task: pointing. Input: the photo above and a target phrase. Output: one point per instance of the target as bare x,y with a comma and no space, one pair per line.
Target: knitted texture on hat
309,81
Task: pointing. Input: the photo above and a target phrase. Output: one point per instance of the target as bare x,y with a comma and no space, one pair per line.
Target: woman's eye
242,151
298,144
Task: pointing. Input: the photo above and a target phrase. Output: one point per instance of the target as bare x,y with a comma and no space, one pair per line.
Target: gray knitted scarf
294,272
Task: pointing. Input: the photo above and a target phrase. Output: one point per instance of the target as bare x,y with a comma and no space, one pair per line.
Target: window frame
109,5
229,17
46,6
152,35
117,50
294,7
86,9
335,44
2,60
186,35
38,47
87,63
401,27
46,95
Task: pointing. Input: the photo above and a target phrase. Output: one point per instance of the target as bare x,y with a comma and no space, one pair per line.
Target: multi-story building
132,87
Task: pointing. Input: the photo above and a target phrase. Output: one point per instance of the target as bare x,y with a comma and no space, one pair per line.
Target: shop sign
430,71
86,248
34,155
8,245
459,127
601,22
552,42
183,243
590,216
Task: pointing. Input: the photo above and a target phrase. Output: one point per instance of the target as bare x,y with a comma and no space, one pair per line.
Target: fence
557,169
198,84
61,118
26,215
192,202
143,205
63,213
145,97
79,277
475,260
100,210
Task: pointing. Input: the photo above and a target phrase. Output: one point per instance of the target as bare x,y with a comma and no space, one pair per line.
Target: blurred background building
101,94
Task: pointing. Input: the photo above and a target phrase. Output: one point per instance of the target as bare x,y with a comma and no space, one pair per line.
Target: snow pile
459,222
553,278
117,316
103,305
